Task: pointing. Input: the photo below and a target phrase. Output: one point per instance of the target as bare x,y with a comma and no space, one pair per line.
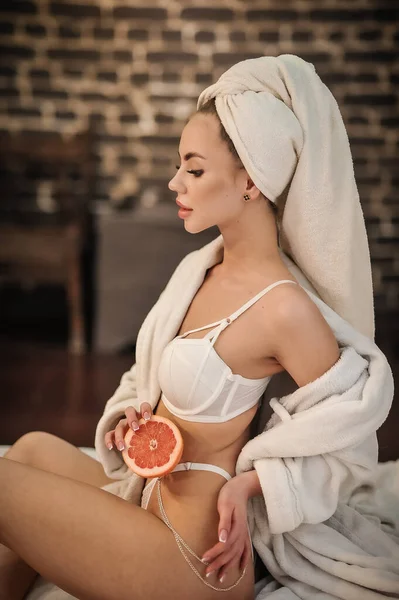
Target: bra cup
178,370
180,363
195,380
164,376
186,352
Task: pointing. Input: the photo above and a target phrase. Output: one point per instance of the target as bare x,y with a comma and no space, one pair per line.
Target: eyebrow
191,155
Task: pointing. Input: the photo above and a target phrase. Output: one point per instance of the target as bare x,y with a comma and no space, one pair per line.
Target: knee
26,447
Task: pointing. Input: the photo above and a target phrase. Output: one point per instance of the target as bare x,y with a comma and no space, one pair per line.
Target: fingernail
136,426
223,536
146,416
222,578
207,575
121,446
205,559
109,446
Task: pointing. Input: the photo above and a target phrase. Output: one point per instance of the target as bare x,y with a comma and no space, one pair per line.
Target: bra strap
228,320
256,298
201,328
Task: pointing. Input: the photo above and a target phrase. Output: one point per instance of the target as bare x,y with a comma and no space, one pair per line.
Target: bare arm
250,481
303,343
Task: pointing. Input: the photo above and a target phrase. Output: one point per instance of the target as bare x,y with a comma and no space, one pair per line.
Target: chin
195,227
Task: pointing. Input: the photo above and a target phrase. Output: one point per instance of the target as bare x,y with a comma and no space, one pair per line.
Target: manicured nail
222,578
110,446
205,559
136,426
121,446
223,536
207,575
146,416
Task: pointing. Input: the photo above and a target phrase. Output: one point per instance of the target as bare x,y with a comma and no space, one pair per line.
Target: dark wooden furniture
43,245
137,252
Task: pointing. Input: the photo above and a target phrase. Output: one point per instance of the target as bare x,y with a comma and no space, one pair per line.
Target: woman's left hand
236,549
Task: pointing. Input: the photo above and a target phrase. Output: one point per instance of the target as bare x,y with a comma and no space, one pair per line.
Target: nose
175,185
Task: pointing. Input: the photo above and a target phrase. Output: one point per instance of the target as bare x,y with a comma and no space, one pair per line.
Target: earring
246,197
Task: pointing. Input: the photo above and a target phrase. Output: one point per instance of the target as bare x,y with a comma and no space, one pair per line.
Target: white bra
196,383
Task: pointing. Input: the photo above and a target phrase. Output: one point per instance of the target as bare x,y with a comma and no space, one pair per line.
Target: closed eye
196,173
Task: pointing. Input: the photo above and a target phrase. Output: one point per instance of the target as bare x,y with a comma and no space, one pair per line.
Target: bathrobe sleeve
309,489
124,396
127,394
321,444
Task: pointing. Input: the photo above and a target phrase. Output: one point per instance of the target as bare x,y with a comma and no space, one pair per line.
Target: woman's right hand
116,436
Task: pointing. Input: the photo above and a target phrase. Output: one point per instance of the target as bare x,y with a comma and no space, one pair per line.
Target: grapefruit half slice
155,449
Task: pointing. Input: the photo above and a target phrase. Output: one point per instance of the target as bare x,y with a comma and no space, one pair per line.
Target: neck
250,243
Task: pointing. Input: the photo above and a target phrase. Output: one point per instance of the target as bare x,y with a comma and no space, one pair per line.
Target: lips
182,205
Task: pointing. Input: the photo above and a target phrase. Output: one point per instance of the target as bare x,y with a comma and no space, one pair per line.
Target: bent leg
90,543
53,454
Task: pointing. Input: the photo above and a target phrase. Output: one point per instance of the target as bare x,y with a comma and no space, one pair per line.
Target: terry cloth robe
322,527
315,456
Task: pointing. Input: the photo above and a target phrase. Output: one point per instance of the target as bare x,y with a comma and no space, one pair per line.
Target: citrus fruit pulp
155,449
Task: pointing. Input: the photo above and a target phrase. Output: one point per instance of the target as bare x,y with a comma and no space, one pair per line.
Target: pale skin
50,491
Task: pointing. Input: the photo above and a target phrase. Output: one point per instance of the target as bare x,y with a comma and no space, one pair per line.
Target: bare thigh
55,455
91,543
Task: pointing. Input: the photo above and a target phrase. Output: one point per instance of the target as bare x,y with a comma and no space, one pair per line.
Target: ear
251,189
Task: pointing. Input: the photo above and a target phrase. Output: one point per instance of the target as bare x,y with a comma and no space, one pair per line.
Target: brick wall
134,69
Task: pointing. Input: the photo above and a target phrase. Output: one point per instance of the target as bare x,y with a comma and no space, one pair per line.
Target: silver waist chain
180,541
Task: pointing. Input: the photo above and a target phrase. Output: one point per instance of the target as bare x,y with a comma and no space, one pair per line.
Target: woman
53,515
263,341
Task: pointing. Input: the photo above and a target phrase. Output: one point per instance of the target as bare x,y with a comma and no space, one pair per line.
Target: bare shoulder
299,337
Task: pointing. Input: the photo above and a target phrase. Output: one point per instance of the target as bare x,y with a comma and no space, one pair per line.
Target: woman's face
212,186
